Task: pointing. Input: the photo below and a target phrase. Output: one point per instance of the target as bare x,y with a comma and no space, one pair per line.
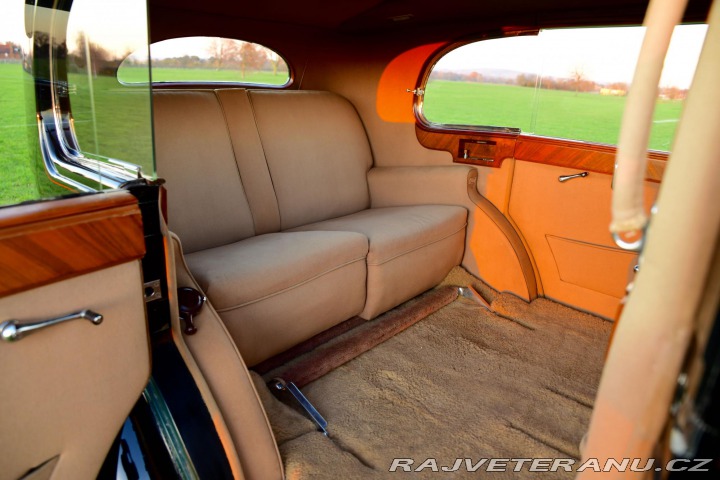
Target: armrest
457,185
437,185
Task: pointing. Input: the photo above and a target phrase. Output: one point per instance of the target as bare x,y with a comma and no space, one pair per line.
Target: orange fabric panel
565,226
394,103
490,256
591,266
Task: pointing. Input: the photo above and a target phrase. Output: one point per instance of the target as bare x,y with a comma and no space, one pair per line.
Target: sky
119,32
604,55
12,23
178,47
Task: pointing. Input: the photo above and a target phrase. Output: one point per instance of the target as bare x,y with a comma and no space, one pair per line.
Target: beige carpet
462,383
330,355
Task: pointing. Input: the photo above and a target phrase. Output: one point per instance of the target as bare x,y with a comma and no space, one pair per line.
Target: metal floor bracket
279,385
470,293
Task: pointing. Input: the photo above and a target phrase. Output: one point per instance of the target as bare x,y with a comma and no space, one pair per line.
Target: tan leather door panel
66,389
565,225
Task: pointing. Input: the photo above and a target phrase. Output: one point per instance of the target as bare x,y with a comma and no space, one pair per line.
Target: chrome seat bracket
280,385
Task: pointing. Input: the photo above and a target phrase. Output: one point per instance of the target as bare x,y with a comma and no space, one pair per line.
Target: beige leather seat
268,192
410,249
319,156
274,289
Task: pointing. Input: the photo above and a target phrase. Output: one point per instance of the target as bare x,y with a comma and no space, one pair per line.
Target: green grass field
137,74
120,125
553,113
18,178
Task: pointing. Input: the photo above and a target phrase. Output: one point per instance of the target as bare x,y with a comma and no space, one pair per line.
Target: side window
563,83
111,123
207,60
17,178
67,124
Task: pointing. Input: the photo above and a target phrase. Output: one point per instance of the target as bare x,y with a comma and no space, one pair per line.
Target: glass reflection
111,121
91,131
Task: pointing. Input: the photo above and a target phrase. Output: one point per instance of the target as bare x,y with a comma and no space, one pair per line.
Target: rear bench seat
268,192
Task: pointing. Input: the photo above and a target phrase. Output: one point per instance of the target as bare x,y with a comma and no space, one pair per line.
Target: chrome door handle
565,178
11,330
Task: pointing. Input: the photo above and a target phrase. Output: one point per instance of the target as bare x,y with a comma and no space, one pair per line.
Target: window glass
208,59
111,121
67,124
565,83
17,178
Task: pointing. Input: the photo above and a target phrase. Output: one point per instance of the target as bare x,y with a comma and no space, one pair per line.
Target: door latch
11,330
565,178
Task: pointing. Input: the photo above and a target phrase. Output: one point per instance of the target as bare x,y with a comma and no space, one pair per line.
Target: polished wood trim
46,242
507,229
581,156
450,141
593,157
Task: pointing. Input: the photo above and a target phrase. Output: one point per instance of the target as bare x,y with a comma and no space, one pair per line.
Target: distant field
17,180
121,117
136,74
582,116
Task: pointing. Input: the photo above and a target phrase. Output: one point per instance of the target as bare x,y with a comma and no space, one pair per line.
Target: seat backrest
317,153
207,205
242,163
250,159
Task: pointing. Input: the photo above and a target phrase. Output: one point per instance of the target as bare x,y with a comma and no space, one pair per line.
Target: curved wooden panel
44,242
550,151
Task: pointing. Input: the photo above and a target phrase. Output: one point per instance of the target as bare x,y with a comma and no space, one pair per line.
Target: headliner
381,29
372,15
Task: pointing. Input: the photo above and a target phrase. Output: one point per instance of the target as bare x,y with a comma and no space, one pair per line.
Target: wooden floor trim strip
332,355
308,345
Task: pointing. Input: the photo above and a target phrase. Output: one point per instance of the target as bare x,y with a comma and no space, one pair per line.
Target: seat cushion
412,248
276,290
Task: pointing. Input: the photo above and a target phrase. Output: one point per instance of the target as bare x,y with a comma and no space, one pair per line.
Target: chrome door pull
565,178
11,330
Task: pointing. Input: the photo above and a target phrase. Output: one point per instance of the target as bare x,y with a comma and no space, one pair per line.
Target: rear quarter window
207,60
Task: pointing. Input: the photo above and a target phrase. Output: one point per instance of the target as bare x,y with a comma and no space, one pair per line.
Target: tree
223,51
475,77
274,60
578,78
251,57
526,80
87,52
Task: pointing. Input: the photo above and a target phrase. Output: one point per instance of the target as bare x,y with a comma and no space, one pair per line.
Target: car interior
324,279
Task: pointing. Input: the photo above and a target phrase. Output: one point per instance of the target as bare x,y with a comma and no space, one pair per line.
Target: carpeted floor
462,383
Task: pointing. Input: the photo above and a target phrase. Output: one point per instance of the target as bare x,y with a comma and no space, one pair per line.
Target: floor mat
462,383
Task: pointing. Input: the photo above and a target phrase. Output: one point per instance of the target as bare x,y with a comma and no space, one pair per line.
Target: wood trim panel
581,156
550,151
46,242
450,141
